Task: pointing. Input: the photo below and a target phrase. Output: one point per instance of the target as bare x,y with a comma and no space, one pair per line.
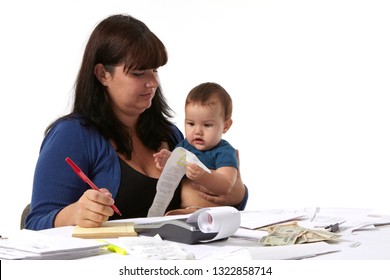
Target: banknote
292,233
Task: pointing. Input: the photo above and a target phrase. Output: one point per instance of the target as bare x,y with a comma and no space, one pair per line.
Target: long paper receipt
173,172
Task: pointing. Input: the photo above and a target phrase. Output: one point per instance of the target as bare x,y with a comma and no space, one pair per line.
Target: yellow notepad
107,230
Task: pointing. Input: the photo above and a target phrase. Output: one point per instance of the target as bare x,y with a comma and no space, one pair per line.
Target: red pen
84,177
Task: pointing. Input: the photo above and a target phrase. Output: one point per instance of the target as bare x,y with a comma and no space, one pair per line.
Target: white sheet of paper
154,248
29,244
257,219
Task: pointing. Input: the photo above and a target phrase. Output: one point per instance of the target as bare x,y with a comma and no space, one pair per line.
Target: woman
120,118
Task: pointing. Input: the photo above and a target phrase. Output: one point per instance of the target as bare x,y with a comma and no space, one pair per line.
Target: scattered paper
154,248
258,219
28,244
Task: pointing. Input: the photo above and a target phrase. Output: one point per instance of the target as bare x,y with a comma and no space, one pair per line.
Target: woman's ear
228,123
101,74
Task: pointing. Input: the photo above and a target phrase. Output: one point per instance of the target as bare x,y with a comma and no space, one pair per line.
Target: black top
136,190
136,194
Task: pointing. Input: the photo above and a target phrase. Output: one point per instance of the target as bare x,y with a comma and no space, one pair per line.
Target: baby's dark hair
204,93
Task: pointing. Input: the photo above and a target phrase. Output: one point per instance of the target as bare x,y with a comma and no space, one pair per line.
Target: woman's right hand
91,210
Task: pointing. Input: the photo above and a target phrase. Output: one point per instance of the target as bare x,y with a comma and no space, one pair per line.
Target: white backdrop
309,80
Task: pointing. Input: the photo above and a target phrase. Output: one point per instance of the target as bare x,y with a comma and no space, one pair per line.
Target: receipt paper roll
225,220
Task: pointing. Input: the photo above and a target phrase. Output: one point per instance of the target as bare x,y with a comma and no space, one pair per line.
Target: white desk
369,244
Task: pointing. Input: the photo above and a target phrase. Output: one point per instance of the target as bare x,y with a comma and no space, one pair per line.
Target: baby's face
204,125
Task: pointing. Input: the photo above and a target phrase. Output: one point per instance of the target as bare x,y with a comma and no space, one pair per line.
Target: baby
208,112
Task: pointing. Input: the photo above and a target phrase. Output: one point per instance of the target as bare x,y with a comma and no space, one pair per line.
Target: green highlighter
113,248
116,249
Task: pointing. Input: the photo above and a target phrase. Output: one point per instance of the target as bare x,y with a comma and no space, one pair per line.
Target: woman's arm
237,197
59,196
218,182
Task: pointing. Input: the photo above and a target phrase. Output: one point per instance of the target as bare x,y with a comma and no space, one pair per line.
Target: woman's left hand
234,197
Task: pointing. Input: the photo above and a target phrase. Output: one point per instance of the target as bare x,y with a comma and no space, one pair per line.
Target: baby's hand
194,172
160,158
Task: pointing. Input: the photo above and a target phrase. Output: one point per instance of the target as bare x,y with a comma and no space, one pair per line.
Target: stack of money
288,234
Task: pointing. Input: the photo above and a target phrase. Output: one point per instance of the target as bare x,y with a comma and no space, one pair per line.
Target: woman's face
131,93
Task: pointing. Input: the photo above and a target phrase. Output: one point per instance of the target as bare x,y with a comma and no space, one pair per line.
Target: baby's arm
161,158
219,182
